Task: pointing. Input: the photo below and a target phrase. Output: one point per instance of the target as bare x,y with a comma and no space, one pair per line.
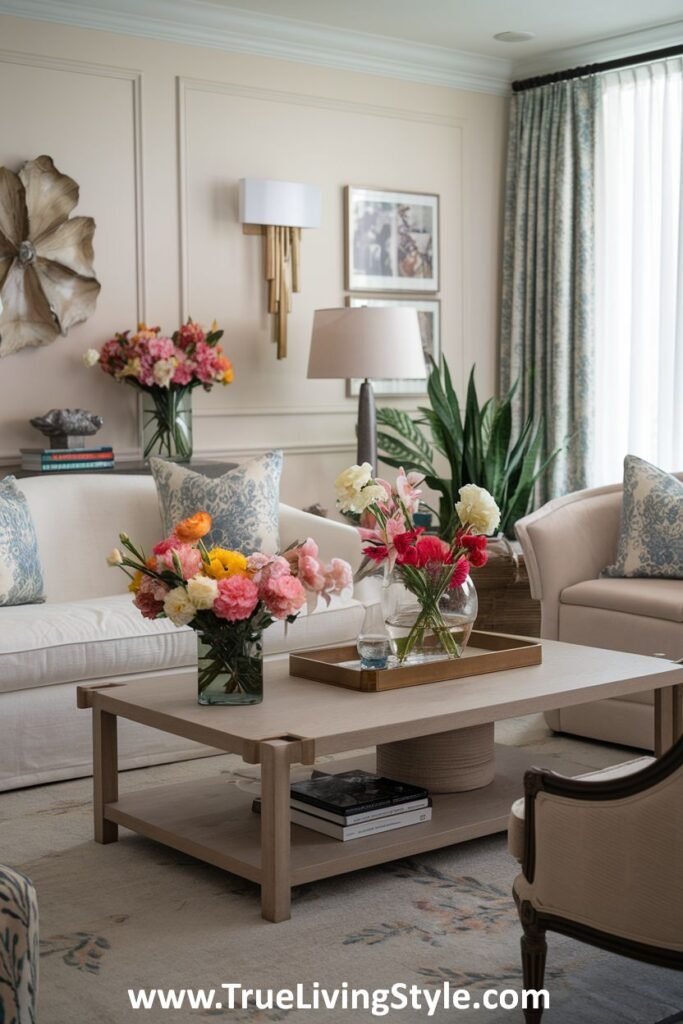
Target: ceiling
439,42
471,24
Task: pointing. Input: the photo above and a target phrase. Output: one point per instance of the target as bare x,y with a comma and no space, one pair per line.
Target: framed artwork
392,240
429,316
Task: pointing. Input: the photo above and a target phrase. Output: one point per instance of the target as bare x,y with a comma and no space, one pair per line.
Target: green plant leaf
401,422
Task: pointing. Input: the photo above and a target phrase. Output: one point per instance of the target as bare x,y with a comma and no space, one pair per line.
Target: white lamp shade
366,341
279,203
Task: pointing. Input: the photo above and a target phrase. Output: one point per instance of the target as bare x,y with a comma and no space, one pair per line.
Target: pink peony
309,568
237,598
276,567
149,598
338,576
165,545
190,560
160,348
256,563
283,596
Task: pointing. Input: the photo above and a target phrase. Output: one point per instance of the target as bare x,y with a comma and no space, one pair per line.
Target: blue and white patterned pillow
651,536
21,575
243,503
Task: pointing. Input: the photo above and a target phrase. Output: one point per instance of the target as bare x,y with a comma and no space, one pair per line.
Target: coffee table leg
105,773
668,717
275,831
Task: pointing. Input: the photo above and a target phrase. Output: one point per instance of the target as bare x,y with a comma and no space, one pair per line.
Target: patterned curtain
548,273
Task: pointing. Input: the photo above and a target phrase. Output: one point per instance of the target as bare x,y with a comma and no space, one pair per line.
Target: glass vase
167,423
229,666
418,634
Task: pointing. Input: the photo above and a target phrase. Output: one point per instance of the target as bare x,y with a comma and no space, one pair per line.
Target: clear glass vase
167,423
229,666
419,633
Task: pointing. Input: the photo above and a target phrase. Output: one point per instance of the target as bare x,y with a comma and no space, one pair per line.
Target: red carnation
460,573
432,549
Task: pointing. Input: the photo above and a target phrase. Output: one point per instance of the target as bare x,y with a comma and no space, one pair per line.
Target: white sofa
566,545
88,629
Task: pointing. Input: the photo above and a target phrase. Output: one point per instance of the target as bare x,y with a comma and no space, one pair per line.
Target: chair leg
534,950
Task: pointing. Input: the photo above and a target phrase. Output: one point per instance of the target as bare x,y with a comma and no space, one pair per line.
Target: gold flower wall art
47,280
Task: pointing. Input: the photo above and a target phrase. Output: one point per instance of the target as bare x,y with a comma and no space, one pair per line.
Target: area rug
136,915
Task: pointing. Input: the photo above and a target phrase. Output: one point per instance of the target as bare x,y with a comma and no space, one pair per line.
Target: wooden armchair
602,860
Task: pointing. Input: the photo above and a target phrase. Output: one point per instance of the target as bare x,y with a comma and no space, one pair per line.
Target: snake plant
482,447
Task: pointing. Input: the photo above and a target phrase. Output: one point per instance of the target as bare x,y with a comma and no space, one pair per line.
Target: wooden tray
486,652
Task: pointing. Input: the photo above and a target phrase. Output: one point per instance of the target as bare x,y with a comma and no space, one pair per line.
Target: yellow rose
224,563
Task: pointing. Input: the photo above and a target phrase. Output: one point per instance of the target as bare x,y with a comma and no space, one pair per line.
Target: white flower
6,578
477,509
371,493
178,607
163,371
114,557
91,357
350,482
202,592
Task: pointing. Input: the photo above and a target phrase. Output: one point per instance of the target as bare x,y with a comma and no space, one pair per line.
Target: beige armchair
566,545
601,862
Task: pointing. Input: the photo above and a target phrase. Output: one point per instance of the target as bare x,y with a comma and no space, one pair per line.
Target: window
639,270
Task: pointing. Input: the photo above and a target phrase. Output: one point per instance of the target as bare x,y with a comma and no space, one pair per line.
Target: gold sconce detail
278,210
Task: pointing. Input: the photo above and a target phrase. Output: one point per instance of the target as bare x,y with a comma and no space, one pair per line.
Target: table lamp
366,341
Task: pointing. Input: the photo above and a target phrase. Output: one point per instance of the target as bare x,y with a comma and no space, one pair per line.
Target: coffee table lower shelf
212,820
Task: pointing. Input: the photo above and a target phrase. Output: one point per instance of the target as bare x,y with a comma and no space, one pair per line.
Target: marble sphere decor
47,280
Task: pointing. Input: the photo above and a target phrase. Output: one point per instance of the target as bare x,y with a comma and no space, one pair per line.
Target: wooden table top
333,719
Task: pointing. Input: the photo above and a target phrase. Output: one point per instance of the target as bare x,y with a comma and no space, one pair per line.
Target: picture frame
391,240
429,315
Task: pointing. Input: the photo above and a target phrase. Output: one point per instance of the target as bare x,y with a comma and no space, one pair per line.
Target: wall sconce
278,210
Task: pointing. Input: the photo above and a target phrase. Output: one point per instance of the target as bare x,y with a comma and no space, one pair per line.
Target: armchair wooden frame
536,922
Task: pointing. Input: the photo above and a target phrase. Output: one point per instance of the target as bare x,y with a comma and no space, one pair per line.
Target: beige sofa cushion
516,821
656,599
78,641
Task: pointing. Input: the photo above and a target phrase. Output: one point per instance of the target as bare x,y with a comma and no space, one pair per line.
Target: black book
354,792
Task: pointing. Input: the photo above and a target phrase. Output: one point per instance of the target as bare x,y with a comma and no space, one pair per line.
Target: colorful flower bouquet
166,370
228,598
430,601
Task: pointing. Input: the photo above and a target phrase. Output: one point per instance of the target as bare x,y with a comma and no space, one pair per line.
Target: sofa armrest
567,541
335,540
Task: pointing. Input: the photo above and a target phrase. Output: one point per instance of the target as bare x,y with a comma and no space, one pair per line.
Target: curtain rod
596,69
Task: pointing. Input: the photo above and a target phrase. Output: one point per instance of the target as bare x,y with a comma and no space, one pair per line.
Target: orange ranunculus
193,528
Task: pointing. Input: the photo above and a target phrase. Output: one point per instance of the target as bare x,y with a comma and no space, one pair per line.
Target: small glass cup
374,645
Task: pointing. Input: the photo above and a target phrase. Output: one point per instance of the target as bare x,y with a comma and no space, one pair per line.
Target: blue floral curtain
548,274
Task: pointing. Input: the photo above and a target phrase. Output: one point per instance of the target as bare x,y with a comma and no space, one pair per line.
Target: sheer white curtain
639,270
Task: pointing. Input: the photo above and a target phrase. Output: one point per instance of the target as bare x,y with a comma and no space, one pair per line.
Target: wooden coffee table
300,720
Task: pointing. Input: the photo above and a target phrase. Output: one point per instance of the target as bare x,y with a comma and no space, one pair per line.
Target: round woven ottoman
447,762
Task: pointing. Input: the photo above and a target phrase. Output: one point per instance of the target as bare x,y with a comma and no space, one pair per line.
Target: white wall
157,135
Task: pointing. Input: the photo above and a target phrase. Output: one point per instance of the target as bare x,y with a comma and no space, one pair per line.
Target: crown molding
201,23
626,45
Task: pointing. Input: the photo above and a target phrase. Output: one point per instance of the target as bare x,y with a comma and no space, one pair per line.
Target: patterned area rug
136,914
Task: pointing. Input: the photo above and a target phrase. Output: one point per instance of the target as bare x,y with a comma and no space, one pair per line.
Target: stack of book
356,804
62,460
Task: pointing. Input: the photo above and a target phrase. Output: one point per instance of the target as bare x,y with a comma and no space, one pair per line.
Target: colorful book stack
356,804
64,460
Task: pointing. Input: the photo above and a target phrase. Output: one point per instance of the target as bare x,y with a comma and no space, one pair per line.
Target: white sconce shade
279,203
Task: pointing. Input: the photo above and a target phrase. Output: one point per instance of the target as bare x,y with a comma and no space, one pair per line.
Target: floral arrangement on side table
429,600
228,598
165,370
